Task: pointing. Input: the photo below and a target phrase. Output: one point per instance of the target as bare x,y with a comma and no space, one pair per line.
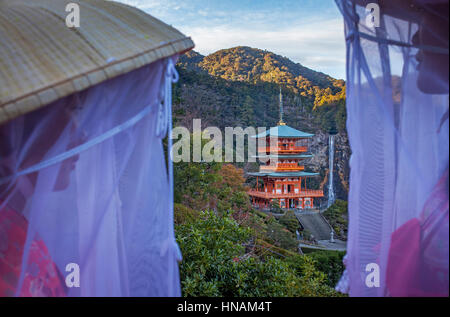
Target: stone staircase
315,223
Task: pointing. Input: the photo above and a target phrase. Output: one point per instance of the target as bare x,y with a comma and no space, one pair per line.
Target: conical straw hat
42,60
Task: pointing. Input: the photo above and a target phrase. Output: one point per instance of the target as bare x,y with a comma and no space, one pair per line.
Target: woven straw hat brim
42,60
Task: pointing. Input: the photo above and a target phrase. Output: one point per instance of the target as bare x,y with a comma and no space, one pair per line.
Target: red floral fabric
42,277
418,256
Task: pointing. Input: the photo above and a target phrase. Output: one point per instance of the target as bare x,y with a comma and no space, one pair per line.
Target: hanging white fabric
87,175
397,122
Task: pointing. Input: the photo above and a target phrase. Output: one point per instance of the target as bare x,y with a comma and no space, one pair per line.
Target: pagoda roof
283,174
284,131
284,156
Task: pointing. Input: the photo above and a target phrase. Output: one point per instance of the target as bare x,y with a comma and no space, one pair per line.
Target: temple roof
283,174
284,131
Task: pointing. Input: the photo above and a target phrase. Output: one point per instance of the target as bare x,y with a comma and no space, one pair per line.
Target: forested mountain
243,83
254,65
240,87
229,248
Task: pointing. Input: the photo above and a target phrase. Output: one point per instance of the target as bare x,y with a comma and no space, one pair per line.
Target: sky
309,32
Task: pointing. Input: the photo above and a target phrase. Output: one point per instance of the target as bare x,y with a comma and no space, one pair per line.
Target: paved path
315,223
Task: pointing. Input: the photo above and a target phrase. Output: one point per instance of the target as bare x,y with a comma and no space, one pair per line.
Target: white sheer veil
89,174
397,122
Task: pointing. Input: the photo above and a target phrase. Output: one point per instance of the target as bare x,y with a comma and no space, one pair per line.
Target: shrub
215,264
275,207
278,235
314,281
330,263
183,214
337,216
289,220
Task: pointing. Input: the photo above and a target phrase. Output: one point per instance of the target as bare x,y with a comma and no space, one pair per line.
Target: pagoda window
278,189
307,202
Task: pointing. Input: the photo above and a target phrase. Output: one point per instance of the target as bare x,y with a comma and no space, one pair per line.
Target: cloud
320,45
305,31
142,4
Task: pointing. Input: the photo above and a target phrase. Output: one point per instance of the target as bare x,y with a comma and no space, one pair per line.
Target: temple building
283,175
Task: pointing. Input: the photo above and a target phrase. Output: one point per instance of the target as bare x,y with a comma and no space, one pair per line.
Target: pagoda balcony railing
282,167
289,166
302,193
280,149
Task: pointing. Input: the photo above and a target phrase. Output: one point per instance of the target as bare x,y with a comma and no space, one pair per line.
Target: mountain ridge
244,63
240,87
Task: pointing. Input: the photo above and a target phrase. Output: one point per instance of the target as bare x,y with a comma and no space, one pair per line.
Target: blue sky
309,32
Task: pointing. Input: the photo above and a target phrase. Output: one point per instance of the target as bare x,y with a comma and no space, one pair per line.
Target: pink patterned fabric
419,246
397,106
88,173
42,278
404,260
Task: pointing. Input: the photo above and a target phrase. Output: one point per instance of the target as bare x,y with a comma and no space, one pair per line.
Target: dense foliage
217,262
253,65
330,263
330,110
210,186
290,221
240,86
337,216
229,249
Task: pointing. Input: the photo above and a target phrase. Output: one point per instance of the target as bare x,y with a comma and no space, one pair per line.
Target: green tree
337,216
275,206
330,263
247,113
217,262
289,220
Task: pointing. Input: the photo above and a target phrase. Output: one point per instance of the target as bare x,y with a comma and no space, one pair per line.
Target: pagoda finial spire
281,122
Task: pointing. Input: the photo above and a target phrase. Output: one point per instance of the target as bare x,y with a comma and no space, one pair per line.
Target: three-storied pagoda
283,174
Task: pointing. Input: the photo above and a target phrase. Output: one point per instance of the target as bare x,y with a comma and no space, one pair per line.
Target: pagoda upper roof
283,156
284,131
283,174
